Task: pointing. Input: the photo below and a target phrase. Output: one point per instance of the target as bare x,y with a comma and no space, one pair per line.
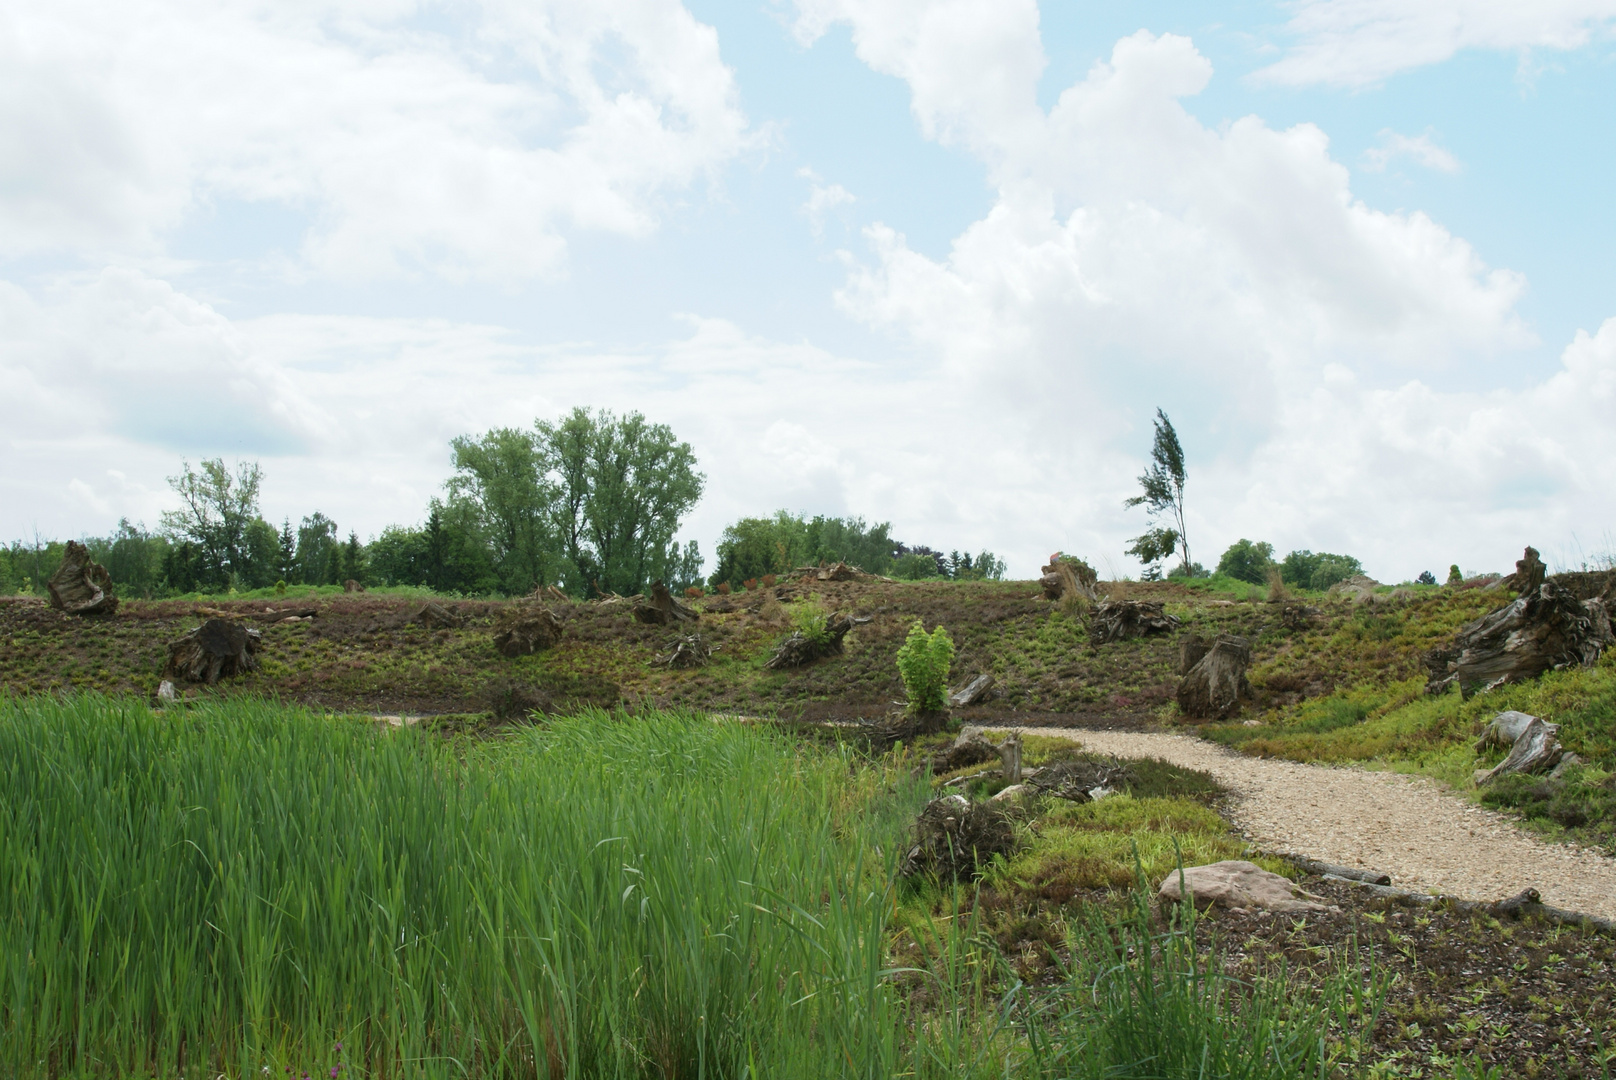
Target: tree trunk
81,586
800,649
525,629
976,690
662,609
1216,685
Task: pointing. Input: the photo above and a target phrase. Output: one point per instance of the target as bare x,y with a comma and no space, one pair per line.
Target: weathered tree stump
1543,630
218,649
80,585
1114,620
1216,686
1070,577
801,648
352,586
525,629
1529,573
953,838
662,609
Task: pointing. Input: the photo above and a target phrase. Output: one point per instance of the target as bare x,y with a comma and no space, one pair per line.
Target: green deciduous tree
1162,496
316,550
923,664
1317,570
216,509
1247,561
503,475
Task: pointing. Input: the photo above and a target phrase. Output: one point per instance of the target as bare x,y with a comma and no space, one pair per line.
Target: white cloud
1422,148
466,153
823,198
1359,42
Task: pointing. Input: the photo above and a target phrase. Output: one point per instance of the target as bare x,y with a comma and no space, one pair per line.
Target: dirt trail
1411,828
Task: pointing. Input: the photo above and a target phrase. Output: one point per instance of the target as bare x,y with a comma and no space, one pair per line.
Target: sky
930,263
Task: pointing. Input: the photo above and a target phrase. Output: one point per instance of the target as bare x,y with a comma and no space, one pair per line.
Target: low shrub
923,664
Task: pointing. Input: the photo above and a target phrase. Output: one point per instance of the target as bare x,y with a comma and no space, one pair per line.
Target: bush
1425,578
1194,570
1247,561
923,664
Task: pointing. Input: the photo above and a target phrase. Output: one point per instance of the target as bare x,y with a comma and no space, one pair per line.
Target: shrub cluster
923,663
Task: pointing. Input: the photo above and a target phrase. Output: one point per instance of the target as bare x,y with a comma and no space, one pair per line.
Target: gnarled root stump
525,629
1533,745
218,649
954,838
435,616
662,609
1070,577
1544,630
1215,687
1114,620
80,585
688,651
800,648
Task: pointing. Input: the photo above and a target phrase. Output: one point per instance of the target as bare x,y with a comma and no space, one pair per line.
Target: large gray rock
1238,885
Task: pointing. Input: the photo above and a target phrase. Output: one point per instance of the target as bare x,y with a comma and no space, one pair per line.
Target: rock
1545,630
1536,750
1114,620
688,651
662,609
953,837
1236,884
81,586
974,691
435,615
524,629
218,649
1504,729
166,694
1216,686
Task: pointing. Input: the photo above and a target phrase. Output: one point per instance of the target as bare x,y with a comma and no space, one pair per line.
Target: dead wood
1191,647
688,651
662,609
1114,620
81,586
352,586
1535,750
1216,686
1083,780
1547,629
972,692
804,648
524,629
435,615
1070,578
967,750
218,649
1529,573
1295,615
954,838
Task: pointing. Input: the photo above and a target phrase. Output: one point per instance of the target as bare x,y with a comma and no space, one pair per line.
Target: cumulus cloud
1134,256
822,198
1359,42
466,153
1422,148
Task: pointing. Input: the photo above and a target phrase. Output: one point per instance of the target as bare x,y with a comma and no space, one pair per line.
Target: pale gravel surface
1425,837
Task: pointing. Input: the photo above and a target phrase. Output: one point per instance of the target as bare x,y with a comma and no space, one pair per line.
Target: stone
81,586
1237,885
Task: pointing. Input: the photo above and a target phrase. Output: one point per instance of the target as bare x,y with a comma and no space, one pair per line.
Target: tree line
590,504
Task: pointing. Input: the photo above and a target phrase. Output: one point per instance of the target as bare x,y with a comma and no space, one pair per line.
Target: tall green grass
243,887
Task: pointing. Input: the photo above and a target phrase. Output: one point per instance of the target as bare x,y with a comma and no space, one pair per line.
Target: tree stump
1216,686
800,648
1114,620
80,585
974,691
1547,629
1191,648
435,616
1070,577
662,609
1535,750
689,651
218,649
525,629
953,838
1529,573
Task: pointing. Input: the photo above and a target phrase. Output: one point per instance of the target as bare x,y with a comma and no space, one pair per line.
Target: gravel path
1409,827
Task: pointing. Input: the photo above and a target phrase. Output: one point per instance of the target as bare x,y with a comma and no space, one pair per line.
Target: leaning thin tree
1163,485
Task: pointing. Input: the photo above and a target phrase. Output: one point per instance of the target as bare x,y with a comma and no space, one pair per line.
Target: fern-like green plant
923,663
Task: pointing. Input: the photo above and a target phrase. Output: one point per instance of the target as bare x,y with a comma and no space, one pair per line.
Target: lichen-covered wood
218,649
1216,686
81,586
800,648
